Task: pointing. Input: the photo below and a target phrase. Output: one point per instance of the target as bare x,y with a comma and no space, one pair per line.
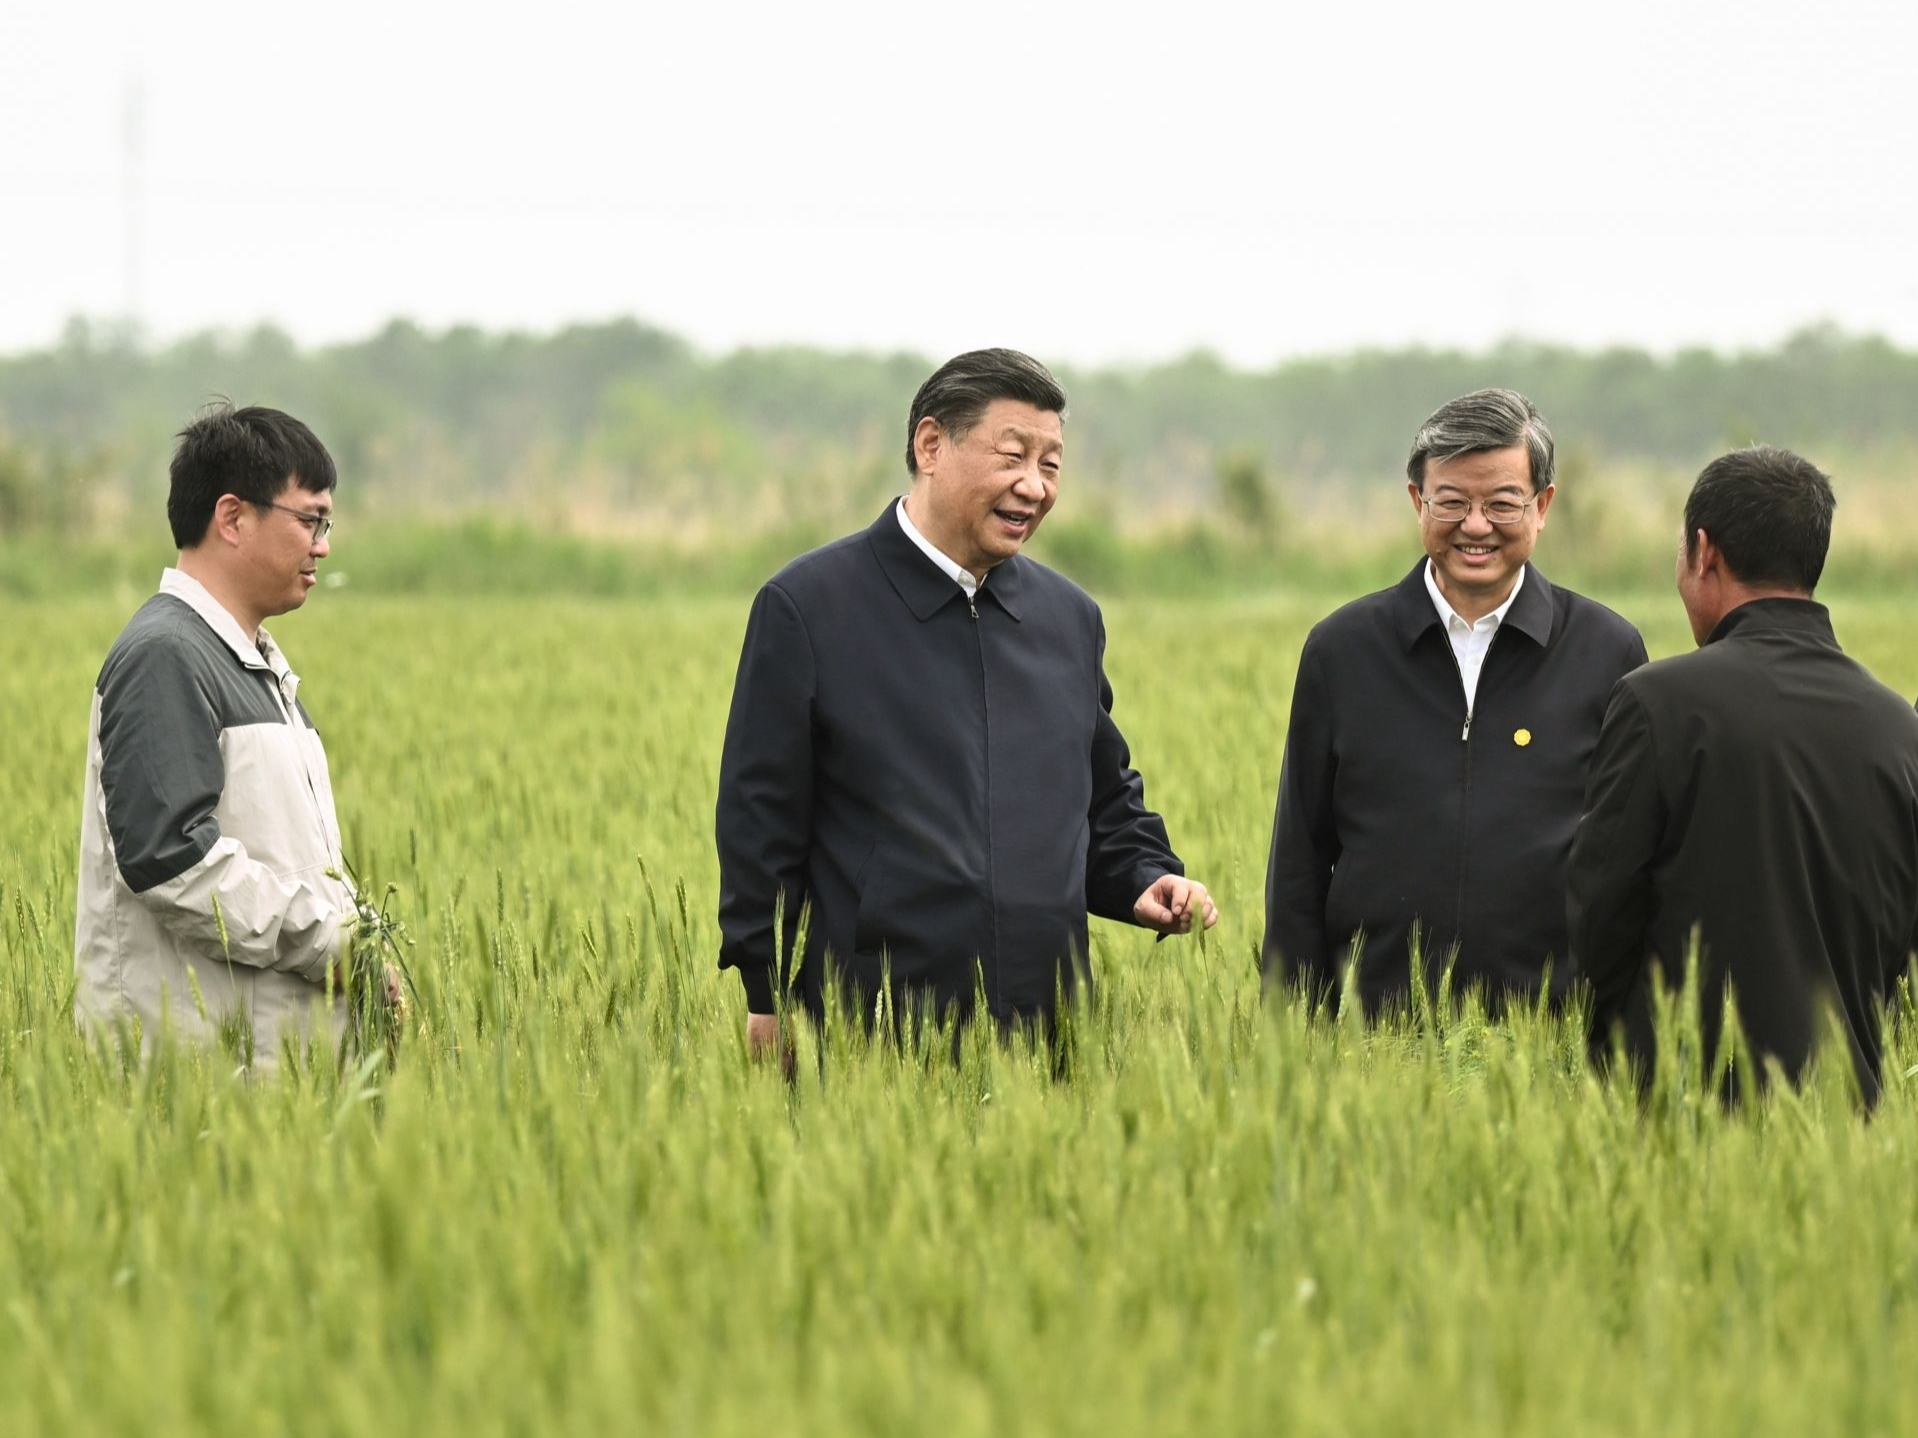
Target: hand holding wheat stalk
373,974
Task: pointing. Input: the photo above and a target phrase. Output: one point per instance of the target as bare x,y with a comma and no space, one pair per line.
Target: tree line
622,422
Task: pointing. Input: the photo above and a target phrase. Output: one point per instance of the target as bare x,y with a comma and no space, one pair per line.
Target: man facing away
205,904
1758,797
1439,736
921,748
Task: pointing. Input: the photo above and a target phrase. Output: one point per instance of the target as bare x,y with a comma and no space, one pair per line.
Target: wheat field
574,1207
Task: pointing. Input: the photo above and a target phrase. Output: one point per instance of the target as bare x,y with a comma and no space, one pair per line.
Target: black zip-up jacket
1398,808
941,781
1765,790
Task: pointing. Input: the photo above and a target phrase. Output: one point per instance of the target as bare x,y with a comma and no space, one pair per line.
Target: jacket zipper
306,762
993,989
1465,773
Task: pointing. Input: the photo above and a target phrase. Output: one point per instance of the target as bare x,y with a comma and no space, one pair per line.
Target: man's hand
1169,905
764,1039
338,980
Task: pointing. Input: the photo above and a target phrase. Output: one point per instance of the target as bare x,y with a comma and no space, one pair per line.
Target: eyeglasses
320,524
1453,510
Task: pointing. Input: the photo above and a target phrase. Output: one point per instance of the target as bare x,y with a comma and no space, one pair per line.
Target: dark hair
1484,419
249,453
1769,512
959,391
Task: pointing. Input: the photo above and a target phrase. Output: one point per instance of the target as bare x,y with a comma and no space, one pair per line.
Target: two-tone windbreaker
205,906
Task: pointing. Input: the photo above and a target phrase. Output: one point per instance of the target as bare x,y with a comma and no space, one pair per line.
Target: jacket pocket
913,912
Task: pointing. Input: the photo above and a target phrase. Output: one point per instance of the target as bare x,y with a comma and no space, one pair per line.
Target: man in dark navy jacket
921,749
1757,798
1440,730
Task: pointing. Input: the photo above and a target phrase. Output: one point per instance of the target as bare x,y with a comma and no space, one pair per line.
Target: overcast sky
1089,182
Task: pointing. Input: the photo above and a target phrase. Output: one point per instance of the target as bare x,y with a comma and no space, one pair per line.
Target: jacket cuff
1146,875
759,988
335,951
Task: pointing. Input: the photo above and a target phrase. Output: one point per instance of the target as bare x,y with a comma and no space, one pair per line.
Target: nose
1475,521
1030,486
320,547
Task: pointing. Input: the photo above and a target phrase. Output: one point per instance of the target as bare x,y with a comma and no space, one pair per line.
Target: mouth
1476,553
1016,521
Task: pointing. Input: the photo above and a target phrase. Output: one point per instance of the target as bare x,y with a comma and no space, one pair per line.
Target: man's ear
928,443
1705,556
229,511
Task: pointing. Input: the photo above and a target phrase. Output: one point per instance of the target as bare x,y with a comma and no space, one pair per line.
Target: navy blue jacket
1397,809
939,781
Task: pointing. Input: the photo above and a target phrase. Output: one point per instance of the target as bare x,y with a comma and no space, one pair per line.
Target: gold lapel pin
1522,737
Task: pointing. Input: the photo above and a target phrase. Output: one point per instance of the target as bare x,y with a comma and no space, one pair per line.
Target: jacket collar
1530,614
1798,616
918,580
195,595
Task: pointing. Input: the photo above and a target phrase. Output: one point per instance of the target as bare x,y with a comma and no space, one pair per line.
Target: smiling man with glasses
208,899
1435,760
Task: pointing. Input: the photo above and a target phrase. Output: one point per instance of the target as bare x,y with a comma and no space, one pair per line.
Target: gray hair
959,391
1484,419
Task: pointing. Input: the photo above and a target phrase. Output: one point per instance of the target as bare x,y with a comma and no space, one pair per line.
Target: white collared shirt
953,570
1470,642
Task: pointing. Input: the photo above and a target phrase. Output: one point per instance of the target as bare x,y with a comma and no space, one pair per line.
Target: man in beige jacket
210,905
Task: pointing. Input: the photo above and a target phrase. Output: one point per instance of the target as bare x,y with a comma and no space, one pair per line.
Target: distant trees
45,490
1246,496
627,417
